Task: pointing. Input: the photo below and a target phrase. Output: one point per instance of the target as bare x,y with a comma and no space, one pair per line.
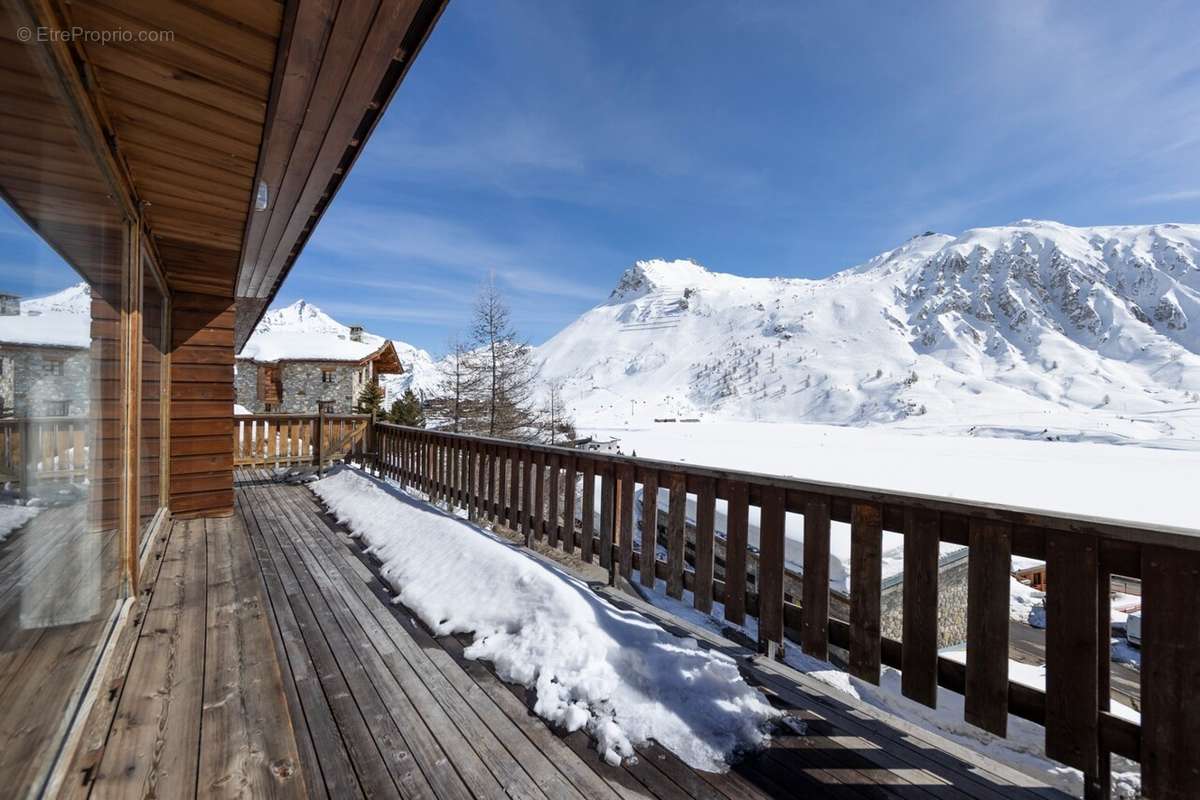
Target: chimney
356,333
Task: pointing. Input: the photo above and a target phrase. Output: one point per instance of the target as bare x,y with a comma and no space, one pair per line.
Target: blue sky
555,142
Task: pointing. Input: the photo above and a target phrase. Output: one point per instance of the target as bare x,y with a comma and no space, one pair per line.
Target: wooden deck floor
314,683
58,602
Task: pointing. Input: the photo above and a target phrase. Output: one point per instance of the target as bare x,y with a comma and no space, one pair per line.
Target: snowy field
1138,485
613,673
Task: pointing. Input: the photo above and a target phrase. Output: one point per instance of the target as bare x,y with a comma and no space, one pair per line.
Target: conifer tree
406,410
370,398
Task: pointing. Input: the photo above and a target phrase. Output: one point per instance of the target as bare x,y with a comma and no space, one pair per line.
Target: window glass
62,269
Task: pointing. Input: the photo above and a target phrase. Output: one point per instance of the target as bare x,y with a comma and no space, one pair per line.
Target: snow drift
613,673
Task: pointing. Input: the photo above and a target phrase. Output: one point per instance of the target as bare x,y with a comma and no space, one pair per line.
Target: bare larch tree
504,368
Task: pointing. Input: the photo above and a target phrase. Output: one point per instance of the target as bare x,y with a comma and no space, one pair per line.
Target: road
1027,645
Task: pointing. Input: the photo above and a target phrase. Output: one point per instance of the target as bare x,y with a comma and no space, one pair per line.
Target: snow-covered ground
613,673
1139,485
13,517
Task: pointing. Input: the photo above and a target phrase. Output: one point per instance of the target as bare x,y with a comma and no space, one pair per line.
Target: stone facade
45,381
302,385
952,602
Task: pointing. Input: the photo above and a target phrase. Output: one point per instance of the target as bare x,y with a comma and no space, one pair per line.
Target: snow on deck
613,673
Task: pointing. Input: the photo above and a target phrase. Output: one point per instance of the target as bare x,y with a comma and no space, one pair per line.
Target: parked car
1133,629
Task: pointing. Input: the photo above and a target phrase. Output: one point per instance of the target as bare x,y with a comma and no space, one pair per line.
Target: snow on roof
62,319
303,332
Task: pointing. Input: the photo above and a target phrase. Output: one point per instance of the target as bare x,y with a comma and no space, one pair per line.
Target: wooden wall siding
202,404
105,461
354,58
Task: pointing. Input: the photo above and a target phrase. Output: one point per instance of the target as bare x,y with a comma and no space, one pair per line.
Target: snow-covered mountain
63,318
1028,327
302,330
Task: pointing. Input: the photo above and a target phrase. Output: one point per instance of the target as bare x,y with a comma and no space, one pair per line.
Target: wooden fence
36,449
282,440
497,480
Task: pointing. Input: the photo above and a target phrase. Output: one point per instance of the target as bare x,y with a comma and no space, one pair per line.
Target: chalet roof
303,332
62,319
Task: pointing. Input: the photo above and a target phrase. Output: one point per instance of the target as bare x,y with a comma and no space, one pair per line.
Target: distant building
45,355
610,445
296,371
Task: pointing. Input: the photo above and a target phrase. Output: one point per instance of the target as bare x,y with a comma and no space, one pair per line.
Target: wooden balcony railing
281,440
498,481
44,449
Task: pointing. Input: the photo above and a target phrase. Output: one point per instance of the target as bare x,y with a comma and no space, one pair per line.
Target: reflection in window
62,269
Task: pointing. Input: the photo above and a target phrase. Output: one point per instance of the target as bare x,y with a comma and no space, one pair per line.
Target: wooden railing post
27,464
814,639
318,434
866,579
649,528
770,571
607,499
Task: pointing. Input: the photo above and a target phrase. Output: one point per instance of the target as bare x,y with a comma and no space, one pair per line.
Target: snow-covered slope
63,318
304,331
1033,327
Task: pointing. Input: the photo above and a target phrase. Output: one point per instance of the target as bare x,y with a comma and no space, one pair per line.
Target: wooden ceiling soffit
336,72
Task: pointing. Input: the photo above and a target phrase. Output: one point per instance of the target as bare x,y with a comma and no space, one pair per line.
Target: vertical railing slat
814,624
918,679
736,524
1072,693
866,565
539,500
676,533
526,497
568,537
706,499
623,519
472,498
989,561
513,515
587,524
772,529
552,515
607,492
649,528
1170,672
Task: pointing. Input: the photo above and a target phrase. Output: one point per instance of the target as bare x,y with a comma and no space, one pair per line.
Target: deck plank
421,721
246,743
154,744
327,759
520,767
362,729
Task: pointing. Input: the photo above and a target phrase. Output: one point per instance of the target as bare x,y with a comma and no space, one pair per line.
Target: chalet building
179,621
45,359
305,374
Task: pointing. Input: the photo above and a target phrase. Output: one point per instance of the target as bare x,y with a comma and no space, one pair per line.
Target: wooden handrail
39,449
284,440
498,480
